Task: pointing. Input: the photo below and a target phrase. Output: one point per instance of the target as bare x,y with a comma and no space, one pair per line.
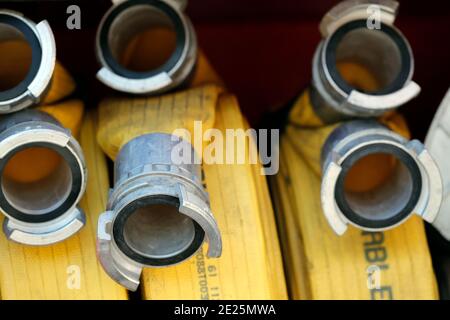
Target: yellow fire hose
250,266
67,270
394,264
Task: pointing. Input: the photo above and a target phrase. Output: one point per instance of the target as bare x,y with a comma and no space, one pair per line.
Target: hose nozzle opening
36,180
159,231
142,38
360,69
158,211
43,177
375,179
386,193
15,57
145,47
370,61
27,61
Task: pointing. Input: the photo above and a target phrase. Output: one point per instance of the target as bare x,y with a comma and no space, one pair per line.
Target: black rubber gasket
124,214
338,35
36,56
66,205
168,65
402,156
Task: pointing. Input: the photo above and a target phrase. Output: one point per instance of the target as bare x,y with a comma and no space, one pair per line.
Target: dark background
263,50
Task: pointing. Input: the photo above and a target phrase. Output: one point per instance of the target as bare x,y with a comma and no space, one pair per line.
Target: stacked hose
43,172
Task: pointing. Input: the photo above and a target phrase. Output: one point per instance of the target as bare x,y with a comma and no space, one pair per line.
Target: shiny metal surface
158,212
348,37
34,87
44,210
413,186
127,19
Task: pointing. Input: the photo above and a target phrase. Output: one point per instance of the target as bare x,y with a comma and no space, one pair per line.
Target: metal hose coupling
129,49
43,177
375,179
158,212
361,33
28,76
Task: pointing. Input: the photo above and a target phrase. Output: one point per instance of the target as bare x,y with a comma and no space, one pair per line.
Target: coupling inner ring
11,28
383,54
388,203
129,19
152,231
48,197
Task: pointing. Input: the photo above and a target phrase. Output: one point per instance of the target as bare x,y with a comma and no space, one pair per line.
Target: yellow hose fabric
394,264
67,270
322,265
250,266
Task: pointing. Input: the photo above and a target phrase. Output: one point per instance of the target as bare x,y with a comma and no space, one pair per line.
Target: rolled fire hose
43,177
238,195
358,257
362,69
25,77
407,180
119,45
359,37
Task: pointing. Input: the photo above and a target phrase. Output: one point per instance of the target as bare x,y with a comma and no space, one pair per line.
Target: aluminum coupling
375,179
146,46
361,34
158,212
30,51
43,177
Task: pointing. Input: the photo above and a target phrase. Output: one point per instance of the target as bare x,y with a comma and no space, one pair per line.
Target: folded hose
359,176
67,269
238,196
371,177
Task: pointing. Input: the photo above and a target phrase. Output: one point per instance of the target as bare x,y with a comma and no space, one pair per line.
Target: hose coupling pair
372,178
42,169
